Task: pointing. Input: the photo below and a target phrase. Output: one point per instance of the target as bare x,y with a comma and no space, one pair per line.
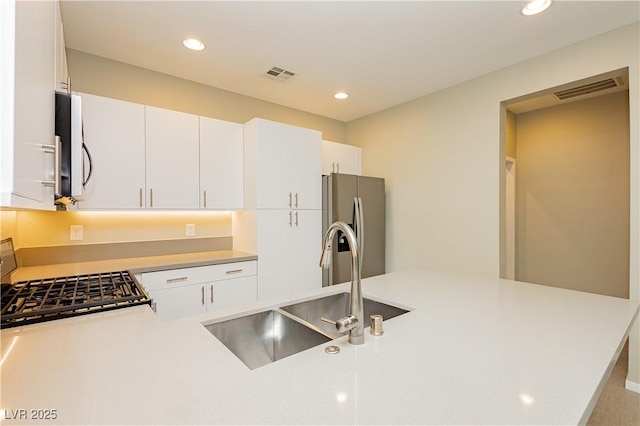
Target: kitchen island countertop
472,350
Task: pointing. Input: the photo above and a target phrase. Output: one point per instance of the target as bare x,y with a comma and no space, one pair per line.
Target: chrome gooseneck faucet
354,322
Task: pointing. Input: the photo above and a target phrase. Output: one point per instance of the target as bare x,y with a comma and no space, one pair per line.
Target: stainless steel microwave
69,136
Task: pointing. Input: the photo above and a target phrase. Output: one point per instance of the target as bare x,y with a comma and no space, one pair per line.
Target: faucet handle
343,325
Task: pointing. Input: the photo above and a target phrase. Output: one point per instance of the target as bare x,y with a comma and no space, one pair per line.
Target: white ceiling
383,53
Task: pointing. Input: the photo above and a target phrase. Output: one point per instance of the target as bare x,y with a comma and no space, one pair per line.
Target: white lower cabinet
189,291
180,301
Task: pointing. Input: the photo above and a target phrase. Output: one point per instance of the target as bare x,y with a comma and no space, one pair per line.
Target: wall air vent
279,74
609,83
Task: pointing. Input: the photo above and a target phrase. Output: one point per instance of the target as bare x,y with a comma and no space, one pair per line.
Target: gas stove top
29,302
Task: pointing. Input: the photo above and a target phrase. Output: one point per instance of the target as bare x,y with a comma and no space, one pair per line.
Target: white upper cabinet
152,158
306,179
27,112
114,132
61,81
340,158
221,177
172,150
288,166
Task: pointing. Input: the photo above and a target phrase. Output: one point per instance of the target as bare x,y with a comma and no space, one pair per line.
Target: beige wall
104,77
443,161
572,196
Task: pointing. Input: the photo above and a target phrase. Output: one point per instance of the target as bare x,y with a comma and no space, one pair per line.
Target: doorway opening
565,213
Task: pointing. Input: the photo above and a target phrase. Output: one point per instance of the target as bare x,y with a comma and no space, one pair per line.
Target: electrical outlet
76,233
191,230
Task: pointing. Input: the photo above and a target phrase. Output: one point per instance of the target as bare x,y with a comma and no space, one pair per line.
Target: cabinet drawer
200,274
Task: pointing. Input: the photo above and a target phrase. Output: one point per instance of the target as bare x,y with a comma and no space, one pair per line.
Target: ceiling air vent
279,74
609,83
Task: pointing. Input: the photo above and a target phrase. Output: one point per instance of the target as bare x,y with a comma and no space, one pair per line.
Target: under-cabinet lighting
341,95
193,44
536,6
342,396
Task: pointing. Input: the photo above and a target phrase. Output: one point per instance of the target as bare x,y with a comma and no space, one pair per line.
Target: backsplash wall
52,228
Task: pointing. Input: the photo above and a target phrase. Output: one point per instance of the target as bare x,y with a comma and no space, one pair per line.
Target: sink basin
337,306
265,337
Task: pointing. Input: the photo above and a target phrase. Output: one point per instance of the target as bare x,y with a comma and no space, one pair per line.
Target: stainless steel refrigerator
338,193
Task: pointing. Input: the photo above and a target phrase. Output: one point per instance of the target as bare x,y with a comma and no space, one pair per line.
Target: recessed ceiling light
193,44
527,399
536,6
341,95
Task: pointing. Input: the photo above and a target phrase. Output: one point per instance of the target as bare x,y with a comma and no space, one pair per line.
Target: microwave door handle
86,150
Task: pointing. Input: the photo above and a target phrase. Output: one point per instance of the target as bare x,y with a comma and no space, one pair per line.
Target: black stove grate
29,302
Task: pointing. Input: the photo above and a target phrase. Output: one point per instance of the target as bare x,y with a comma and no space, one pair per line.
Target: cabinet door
306,168
172,175
228,293
306,249
340,158
28,106
180,301
221,168
60,54
274,253
273,156
114,133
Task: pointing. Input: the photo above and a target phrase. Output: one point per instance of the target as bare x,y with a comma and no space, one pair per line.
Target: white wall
442,159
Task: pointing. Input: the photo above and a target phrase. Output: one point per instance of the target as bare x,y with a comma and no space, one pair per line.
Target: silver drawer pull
234,271
202,295
176,280
211,293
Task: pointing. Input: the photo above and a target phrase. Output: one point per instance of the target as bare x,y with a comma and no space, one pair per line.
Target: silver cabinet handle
296,200
56,149
290,218
205,203
202,288
290,199
140,196
233,271
296,218
176,280
211,293
151,197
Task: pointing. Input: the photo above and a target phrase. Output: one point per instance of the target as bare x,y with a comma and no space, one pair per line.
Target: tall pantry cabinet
282,220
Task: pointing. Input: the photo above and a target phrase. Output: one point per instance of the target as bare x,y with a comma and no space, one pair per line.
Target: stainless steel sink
337,306
265,337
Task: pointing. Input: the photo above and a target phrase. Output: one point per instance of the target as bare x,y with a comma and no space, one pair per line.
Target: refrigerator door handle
359,226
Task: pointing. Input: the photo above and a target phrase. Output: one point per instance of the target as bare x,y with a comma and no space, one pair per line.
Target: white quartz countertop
134,264
472,351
